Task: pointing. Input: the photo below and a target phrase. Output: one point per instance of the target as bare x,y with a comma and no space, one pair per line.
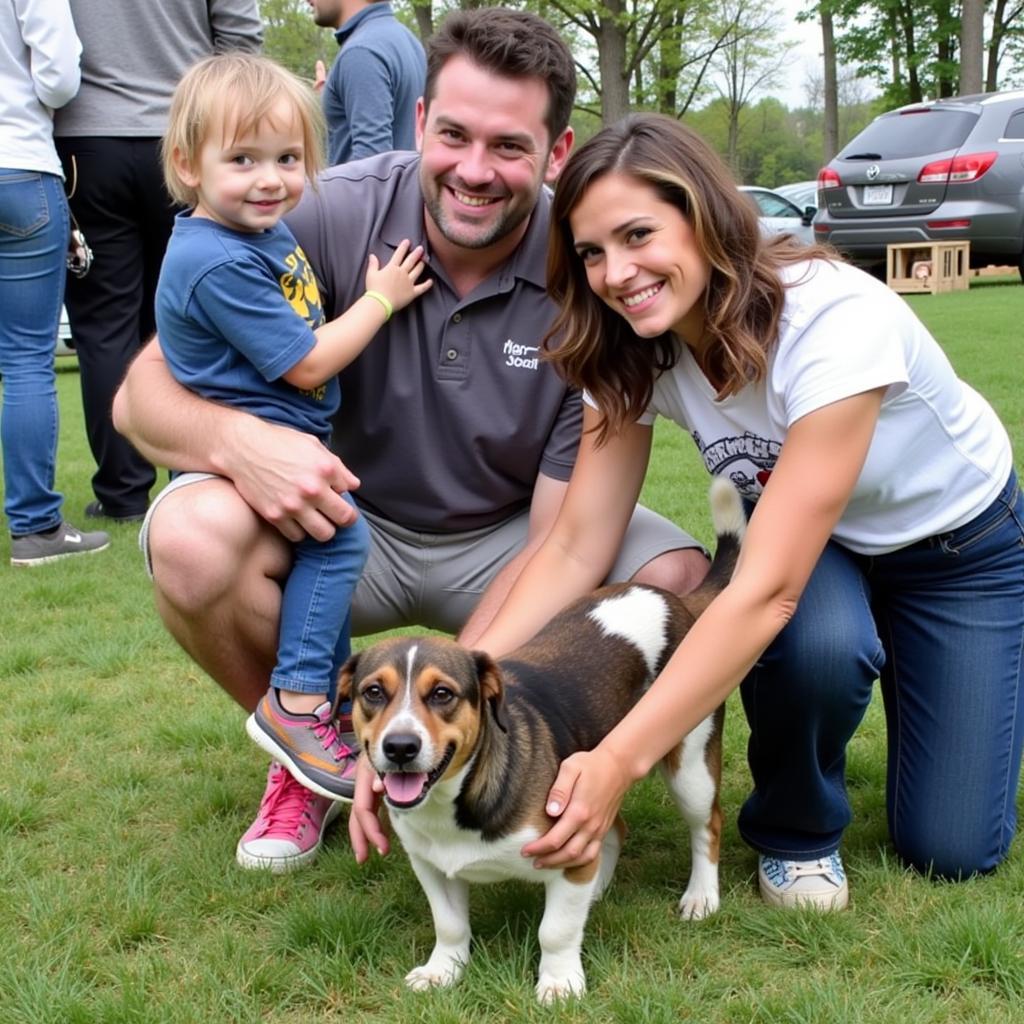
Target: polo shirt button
457,318
452,354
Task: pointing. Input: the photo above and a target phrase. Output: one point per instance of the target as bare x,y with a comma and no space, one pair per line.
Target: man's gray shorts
434,580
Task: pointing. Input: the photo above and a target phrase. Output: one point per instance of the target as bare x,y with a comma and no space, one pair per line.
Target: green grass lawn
127,779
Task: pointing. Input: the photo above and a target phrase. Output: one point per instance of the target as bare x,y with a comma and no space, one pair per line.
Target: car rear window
912,134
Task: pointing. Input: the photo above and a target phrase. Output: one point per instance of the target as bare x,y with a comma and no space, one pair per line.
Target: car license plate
878,195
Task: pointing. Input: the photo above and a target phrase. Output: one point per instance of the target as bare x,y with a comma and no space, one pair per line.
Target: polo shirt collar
529,261
379,10
404,217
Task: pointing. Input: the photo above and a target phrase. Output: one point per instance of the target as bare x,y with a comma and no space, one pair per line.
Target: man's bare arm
289,478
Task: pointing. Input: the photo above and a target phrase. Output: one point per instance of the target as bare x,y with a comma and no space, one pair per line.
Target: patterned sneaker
64,542
289,827
820,883
307,745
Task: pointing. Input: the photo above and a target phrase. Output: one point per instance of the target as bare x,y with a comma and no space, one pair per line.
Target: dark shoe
95,510
64,542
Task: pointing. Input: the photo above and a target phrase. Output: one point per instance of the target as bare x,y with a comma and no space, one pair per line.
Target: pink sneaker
289,826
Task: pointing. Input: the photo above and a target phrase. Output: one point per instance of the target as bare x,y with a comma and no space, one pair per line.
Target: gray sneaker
309,746
64,542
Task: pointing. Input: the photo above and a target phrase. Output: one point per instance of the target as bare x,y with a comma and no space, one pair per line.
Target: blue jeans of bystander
941,622
33,242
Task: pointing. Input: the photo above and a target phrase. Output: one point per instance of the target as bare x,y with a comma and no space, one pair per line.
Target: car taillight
958,170
827,178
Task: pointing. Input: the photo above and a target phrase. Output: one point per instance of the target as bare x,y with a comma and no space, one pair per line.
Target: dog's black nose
401,747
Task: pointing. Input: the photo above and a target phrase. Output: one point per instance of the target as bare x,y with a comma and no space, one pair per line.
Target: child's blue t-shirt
235,311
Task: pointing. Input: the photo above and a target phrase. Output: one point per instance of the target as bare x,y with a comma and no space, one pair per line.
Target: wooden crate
928,266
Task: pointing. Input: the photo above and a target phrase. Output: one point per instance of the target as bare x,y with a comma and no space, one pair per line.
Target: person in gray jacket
108,139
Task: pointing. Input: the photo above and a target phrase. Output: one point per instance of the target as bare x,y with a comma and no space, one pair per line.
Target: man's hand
319,77
364,827
289,478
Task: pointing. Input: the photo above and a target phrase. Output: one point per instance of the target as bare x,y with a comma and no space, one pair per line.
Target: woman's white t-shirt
939,455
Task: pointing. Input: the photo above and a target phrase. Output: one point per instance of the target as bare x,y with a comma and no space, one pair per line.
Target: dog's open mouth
407,789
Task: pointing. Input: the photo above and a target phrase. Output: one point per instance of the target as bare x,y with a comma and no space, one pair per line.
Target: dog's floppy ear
345,677
492,687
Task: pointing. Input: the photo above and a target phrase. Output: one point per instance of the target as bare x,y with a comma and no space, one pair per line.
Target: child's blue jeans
315,638
942,623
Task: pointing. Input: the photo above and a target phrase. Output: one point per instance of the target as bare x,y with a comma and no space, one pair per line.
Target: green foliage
776,145
911,50
668,51
291,37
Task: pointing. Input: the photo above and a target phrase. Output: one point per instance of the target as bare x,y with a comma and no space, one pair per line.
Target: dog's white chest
431,833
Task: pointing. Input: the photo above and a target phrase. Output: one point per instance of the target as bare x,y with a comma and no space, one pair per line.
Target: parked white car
64,345
801,193
779,215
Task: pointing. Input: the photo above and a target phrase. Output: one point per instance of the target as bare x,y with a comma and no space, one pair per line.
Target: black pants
126,215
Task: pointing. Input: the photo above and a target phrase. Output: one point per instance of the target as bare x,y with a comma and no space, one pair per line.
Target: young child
239,320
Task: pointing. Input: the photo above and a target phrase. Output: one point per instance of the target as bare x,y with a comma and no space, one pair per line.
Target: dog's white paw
553,988
433,975
698,904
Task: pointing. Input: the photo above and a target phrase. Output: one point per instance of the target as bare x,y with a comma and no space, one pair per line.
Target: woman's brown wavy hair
592,346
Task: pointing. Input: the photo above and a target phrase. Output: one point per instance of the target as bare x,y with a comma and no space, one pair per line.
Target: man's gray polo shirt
449,414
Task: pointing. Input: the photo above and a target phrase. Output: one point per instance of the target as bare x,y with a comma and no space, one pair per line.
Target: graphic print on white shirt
747,460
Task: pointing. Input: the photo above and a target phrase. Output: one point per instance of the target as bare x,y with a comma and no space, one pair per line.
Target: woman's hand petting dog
585,797
364,827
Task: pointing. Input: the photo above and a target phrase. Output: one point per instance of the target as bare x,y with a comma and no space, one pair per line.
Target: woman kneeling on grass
885,540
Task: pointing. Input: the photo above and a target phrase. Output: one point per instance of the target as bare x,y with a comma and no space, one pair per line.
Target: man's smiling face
485,154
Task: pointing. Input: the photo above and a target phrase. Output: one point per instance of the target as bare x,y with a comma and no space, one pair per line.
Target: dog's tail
730,522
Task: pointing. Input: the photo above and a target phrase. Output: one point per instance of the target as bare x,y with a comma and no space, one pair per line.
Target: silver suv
948,170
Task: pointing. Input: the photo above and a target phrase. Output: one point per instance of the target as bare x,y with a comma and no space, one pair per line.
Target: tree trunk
670,60
423,12
906,14
894,49
947,33
972,33
611,63
831,87
995,46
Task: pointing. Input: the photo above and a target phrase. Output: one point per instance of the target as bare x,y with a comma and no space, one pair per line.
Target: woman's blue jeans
942,624
33,243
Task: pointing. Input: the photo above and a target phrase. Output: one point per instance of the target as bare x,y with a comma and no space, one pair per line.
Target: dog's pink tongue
404,787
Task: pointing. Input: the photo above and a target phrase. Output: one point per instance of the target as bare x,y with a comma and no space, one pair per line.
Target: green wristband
383,300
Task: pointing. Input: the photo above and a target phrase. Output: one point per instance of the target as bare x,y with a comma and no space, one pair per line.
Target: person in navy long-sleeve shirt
370,93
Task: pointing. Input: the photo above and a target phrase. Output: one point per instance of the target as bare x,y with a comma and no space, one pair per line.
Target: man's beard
469,237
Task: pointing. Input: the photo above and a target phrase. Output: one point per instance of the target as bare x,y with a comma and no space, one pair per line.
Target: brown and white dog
467,749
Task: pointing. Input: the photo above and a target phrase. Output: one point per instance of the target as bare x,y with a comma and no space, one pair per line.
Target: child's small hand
398,279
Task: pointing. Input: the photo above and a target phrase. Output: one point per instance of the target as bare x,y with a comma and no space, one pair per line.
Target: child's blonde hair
236,91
